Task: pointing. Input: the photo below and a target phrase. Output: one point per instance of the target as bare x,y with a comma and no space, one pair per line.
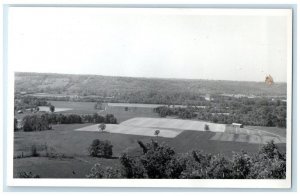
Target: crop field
72,147
131,130
171,128
146,127
174,124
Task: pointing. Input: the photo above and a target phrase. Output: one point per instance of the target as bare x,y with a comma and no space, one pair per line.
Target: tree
160,161
156,133
52,108
101,127
101,149
132,167
110,119
206,127
242,164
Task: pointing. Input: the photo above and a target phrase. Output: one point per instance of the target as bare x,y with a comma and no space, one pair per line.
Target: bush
101,149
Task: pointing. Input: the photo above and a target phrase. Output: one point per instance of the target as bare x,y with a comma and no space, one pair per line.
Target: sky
160,43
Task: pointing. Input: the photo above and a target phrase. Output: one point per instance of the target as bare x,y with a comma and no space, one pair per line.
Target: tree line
26,102
254,112
43,122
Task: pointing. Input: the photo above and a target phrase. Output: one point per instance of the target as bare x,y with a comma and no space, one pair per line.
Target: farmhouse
237,125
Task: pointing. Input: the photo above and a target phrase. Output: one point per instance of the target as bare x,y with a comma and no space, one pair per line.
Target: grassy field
76,107
66,142
60,168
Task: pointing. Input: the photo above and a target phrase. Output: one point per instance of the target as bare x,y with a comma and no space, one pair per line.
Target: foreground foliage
162,162
100,148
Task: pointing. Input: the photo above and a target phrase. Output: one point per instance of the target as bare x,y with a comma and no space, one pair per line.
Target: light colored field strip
146,126
165,123
110,128
47,109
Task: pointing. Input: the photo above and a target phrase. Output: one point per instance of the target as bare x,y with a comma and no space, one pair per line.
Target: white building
237,125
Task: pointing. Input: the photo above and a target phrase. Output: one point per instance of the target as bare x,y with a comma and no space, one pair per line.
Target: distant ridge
97,85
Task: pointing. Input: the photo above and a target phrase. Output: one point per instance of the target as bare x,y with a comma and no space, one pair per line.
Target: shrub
101,149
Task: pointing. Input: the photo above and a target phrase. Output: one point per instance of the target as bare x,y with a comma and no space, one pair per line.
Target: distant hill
114,86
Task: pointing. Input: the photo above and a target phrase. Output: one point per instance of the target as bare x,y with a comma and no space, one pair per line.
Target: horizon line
160,78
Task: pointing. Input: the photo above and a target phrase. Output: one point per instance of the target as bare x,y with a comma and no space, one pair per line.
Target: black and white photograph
100,94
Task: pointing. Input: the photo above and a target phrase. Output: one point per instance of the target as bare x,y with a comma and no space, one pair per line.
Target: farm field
75,107
139,105
72,148
167,127
47,109
171,128
119,112
131,130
